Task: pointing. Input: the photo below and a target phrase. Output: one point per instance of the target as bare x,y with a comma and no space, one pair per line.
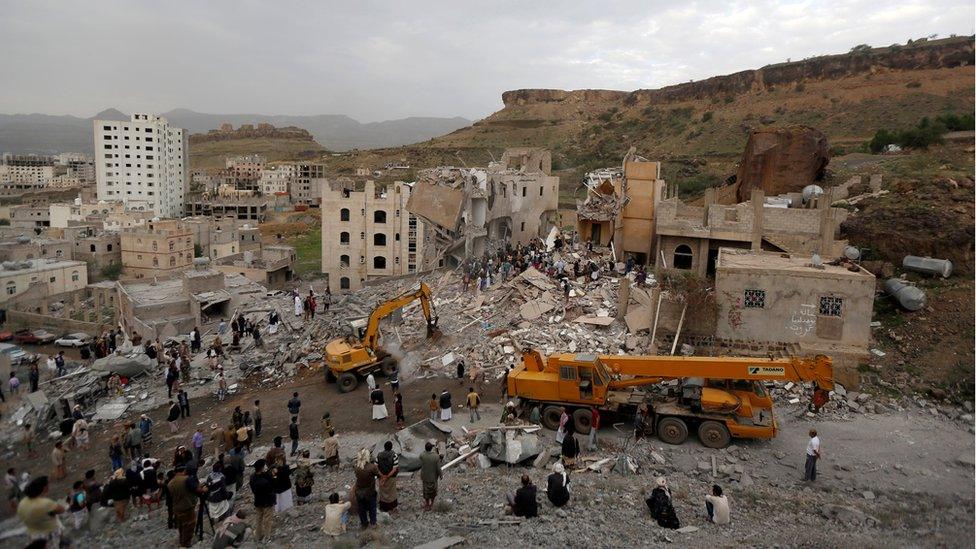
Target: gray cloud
379,60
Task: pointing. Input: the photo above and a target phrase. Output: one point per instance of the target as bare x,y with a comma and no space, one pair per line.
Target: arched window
155,262
397,237
58,253
155,246
172,261
683,258
343,260
343,238
344,214
379,262
92,247
344,283
108,248
379,216
379,239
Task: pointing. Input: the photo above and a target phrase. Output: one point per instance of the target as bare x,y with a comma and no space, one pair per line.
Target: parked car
78,339
6,335
17,355
35,337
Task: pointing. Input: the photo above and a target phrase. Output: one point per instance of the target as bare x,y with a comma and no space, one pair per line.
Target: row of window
379,262
379,216
828,306
12,286
379,239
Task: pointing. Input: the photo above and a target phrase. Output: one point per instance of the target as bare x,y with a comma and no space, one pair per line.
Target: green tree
112,271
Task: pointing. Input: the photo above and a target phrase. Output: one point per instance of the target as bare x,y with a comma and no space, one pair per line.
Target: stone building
97,249
278,179
241,206
159,249
776,297
689,236
24,248
54,276
271,266
28,216
368,234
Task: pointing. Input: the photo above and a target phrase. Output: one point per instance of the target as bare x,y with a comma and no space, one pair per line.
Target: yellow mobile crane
347,359
720,397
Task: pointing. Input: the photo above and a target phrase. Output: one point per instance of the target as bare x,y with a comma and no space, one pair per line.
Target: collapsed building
619,208
473,210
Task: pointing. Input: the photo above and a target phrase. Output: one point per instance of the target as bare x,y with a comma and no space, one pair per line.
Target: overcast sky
382,60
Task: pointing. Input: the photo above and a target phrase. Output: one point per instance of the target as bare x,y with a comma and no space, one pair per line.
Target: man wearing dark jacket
262,486
183,490
524,503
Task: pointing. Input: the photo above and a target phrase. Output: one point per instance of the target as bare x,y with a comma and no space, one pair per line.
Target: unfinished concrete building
270,266
689,237
368,234
473,210
619,208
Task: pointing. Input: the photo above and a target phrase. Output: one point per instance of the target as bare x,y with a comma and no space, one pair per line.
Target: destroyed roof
745,260
163,291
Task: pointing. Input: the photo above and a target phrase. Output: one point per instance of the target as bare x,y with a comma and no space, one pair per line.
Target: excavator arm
386,308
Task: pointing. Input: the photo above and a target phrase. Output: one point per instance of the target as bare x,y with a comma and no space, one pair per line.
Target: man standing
133,441
198,445
294,405
460,371
474,401
430,473
33,376
388,464
183,491
173,417
262,486
813,454
293,434
257,418
594,427
184,400
331,449
445,404
59,363
58,457
39,513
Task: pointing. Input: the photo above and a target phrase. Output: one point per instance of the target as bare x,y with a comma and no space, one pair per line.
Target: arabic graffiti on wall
735,310
803,320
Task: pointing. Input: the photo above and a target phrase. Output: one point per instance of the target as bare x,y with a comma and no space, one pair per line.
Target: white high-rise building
142,163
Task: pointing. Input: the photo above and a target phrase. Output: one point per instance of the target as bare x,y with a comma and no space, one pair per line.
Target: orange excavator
349,358
719,397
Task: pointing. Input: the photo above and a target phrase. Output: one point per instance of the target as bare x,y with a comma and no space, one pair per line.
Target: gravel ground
897,479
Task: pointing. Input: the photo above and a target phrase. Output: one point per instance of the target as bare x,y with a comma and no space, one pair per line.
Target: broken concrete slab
441,543
110,411
534,309
638,318
37,400
128,366
595,320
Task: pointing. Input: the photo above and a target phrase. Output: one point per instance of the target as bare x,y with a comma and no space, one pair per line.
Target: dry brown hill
701,127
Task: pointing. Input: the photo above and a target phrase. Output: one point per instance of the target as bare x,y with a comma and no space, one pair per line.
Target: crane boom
818,369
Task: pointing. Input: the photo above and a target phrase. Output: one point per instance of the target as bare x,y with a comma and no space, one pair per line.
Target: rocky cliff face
946,53
248,131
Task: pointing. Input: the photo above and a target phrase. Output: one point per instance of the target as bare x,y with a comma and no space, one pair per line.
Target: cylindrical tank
928,265
812,191
852,253
909,297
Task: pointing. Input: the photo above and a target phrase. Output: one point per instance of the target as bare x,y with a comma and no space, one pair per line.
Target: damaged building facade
619,208
370,233
689,236
474,210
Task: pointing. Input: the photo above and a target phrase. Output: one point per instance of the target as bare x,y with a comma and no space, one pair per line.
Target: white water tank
811,192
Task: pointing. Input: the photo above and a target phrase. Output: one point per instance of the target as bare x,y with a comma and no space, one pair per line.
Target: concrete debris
441,543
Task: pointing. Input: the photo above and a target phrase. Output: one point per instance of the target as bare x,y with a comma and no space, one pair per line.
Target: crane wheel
347,382
388,365
550,417
713,434
672,430
582,420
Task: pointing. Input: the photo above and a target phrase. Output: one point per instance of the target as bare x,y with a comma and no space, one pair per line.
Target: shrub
801,87
913,84
954,122
920,137
112,271
707,116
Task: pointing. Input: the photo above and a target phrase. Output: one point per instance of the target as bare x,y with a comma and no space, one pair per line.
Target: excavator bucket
433,332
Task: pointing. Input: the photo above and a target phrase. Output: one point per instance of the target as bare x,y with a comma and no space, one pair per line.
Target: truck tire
347,382
672,430
583,421
550,417
713,434
388,365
